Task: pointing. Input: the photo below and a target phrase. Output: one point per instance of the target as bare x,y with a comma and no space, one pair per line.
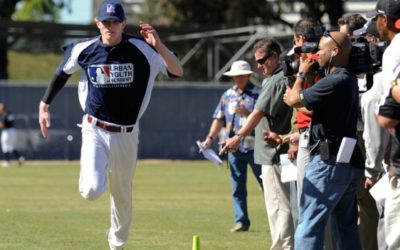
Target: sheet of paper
209,154
289,170
380,189
346,150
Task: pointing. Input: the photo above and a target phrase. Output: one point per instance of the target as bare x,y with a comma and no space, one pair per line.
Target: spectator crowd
338,122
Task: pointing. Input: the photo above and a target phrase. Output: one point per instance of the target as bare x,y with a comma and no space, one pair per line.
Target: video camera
290,63
366,57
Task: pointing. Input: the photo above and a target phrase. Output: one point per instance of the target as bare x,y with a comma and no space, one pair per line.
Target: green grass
40,208
30,67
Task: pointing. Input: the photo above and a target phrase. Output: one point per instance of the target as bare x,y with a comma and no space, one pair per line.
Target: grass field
40,208
44,65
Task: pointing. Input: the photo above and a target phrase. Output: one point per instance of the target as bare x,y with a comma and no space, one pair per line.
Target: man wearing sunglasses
273,115
330,183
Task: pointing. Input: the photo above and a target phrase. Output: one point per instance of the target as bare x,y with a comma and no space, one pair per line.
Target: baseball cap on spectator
239,68
111,9
371,29
368,28
390,8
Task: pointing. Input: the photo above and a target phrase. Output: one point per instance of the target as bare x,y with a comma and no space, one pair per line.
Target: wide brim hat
238,68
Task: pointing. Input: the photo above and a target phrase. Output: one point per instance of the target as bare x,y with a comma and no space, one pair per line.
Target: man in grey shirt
272,116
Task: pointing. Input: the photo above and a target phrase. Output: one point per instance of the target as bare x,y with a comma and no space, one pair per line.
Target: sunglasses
328,34
264,59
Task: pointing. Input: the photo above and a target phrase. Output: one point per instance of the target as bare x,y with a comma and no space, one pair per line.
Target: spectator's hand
207,143
44,118
149,34
293,140
272,138
292,152
369,183
229,145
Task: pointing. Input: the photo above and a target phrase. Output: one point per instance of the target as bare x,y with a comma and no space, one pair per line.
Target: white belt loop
123,129
93,124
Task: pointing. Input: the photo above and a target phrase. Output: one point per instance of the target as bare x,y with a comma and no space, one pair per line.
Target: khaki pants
277,202
368,218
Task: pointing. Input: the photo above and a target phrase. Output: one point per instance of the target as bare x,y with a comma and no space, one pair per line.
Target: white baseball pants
8,140
114,155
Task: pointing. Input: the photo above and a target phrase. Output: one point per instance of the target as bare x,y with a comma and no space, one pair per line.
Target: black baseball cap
390,8
111,9
369,27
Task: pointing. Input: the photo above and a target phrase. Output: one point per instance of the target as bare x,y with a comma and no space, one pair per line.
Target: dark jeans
238,166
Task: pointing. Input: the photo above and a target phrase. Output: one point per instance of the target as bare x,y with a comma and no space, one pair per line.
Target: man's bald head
341,41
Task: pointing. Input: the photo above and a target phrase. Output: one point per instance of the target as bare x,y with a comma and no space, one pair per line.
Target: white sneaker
112,247
6,164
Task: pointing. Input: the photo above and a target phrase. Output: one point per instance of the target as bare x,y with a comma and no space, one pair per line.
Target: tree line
174,13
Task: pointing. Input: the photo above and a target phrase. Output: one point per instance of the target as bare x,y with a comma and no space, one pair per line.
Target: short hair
353,21
268,46
310,28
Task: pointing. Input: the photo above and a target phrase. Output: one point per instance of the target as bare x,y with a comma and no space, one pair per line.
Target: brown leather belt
110,128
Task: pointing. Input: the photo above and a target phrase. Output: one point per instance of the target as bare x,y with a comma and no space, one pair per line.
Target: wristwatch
241,137
301,75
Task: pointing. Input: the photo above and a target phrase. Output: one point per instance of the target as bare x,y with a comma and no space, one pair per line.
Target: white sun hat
239,68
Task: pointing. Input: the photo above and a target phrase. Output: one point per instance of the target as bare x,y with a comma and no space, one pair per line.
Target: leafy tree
36,10
317,8
202,12
197,15
233,13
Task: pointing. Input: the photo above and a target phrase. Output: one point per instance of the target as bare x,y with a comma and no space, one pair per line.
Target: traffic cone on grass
196,242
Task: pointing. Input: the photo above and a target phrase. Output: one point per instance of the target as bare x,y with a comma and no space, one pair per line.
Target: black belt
110,128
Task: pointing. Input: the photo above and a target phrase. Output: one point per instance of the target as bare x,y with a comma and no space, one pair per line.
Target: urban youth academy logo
110,9
111,74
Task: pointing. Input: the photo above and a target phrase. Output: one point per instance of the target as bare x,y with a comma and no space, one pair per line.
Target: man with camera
330,181
306,35
304,31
